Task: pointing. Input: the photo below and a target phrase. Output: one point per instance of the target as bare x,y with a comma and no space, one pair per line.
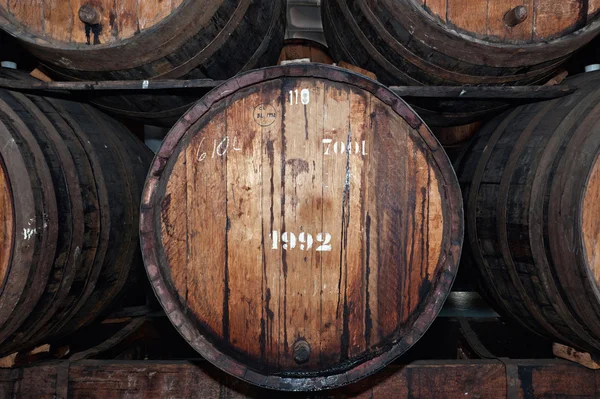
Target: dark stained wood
65,21
300,227
462,92
457,42
73,195
295,49
423,379
529,181
150,40
456,135
6,224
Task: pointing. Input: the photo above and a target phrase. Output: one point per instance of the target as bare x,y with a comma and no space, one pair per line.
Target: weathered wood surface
531,185
585,359
508,21
6,223
456,135
461,92
464,42
64,20
423,379
301,226
69,203
153,39
295,49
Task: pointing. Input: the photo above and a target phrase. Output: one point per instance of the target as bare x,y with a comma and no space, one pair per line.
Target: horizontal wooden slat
423,379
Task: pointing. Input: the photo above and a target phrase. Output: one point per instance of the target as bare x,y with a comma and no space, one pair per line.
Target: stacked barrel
474,42
531,188
150,39
301,225
70,183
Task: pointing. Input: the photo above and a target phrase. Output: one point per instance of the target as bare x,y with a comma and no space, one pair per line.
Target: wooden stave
153,255
25,289
213,49
97,195
500,59
445,69
32,333
94,196
576,317
135,158
7,229
348,22
115,258
66,186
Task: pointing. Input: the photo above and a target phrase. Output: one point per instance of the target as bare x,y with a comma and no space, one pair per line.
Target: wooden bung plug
89,15
515,16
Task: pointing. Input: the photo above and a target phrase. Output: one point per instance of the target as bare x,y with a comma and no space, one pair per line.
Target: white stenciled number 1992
304,96
303,241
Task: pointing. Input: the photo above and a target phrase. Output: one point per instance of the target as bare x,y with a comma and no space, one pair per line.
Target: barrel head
305,229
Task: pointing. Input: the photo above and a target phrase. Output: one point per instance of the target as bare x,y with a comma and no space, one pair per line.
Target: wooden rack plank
459,92
422,379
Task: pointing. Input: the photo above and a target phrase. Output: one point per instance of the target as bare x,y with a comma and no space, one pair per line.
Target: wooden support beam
485,92
423,379
457,92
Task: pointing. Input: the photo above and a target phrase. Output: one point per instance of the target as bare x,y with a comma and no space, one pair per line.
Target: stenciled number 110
304,241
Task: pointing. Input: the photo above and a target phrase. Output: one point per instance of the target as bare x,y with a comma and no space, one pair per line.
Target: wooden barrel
131,39
296,49
301,226
70,183
531,183
474,42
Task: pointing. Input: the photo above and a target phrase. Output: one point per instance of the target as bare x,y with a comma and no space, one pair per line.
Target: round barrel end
304,219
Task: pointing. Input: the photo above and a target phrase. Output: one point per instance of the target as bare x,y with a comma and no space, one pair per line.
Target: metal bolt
301,351
89,15
515,16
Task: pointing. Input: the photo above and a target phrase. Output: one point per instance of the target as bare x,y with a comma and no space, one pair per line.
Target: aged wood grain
408,42
132,17
545,18
591,225
539,263
79,34
554,17
6,224
424,379
497,26
455,135
152,12
295,49
242,163
175,234
59,20
314,222
72,185
205,225
135,39
30,13
470,16
438,8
